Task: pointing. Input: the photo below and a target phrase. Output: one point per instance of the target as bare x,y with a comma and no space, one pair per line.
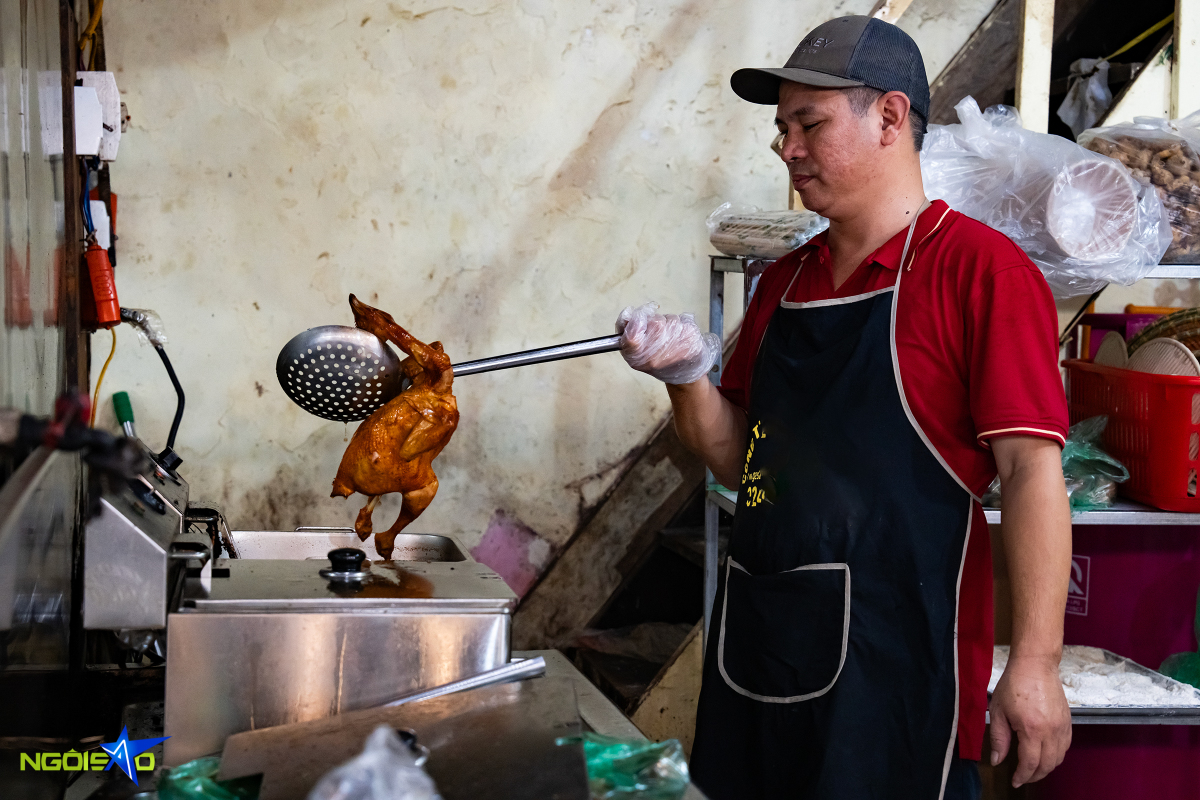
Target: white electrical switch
101,222
105,84
89,121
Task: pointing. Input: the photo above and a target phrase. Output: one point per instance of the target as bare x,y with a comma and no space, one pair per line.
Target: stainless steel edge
352,605
125,572
1174,271
587,347
1122,512
512,671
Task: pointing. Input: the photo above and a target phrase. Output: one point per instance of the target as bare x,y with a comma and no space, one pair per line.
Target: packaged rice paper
741,230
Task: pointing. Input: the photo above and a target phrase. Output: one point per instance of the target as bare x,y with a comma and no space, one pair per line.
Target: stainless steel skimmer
344,374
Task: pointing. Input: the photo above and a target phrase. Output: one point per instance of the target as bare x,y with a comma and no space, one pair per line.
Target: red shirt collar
888,254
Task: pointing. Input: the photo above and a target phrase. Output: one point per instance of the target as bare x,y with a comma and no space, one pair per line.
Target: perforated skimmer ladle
344,374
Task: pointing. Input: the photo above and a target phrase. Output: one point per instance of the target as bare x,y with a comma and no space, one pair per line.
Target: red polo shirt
977,344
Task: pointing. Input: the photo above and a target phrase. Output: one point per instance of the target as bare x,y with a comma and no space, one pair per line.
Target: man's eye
810,126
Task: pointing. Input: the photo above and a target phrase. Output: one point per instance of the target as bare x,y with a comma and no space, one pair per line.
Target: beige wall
498,174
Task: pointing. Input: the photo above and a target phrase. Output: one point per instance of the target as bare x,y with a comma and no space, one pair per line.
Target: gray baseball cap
845,52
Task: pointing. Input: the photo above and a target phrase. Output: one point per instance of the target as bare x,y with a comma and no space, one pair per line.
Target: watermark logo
128,754
1077,589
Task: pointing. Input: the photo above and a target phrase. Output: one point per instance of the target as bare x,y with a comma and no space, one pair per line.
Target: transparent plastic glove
386,769
670,347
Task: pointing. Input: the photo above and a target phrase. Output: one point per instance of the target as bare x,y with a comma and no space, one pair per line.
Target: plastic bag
197,780
1089,96
386,769
147,323
1162,154
1079,216
625,769
1185,667
1091,474
670,347
744,230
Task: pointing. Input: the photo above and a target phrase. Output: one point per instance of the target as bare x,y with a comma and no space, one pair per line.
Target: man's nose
792,149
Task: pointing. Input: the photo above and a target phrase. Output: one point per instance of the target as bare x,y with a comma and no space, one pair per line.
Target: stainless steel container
317,542
134,552
271,642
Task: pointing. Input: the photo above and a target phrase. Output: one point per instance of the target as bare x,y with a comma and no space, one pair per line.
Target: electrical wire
1066,334
89,33
1136,40
88,224
100,380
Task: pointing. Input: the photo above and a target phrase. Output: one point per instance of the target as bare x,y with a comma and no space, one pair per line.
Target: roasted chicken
393,449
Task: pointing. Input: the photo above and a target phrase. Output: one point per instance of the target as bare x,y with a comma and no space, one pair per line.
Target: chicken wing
393,449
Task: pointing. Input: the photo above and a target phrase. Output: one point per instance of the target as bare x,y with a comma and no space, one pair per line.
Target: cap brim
762,85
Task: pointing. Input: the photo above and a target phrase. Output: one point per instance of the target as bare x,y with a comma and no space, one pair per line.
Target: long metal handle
587,347
515,671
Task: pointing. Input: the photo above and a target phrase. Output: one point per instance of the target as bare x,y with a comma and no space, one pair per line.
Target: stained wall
498,174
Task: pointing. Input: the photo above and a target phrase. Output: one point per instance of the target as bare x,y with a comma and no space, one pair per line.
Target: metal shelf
722,498
1128,715
1175,271
1123,512
1162,271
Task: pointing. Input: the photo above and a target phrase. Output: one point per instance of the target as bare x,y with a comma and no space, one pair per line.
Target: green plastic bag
1185,667
1092,475
632,769
197,780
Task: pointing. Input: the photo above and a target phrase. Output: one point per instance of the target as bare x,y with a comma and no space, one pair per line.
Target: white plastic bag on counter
1162,154
386,769
745,230
1080,217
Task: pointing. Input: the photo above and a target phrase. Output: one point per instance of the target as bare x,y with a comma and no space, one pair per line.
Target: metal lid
276,586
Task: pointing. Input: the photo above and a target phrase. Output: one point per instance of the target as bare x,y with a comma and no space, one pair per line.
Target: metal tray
1135,715
306,543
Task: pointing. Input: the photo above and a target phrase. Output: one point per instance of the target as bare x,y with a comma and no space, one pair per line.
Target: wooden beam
1035,40
578,587
889,10
983,68
1149,93
1185,74
667,709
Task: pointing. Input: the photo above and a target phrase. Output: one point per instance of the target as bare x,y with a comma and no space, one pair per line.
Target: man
885,373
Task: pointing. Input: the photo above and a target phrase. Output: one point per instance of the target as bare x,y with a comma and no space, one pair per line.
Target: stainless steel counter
597,711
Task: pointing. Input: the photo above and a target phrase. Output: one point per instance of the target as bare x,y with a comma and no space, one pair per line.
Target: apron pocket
783,636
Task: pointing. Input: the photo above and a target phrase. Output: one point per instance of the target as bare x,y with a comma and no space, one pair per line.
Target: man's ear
893,108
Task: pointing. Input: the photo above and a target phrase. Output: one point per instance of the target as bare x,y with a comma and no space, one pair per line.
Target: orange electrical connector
104,287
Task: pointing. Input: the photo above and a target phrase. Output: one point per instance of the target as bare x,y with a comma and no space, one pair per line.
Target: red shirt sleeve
1016,388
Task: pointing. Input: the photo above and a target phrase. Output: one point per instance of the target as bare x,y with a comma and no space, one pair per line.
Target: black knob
347,559
169,459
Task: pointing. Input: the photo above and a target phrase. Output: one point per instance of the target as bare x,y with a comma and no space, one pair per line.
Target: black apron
831,664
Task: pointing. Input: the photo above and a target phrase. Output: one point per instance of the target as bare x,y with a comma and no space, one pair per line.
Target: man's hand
1029,702
673,349
670,347
1036,534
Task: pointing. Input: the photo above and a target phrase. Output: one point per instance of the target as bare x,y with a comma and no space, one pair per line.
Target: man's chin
812,200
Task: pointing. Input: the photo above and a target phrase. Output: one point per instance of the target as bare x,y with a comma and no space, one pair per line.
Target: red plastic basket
1153,428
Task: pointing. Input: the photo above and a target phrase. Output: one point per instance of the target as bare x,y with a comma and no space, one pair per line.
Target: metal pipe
513,671
587,347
